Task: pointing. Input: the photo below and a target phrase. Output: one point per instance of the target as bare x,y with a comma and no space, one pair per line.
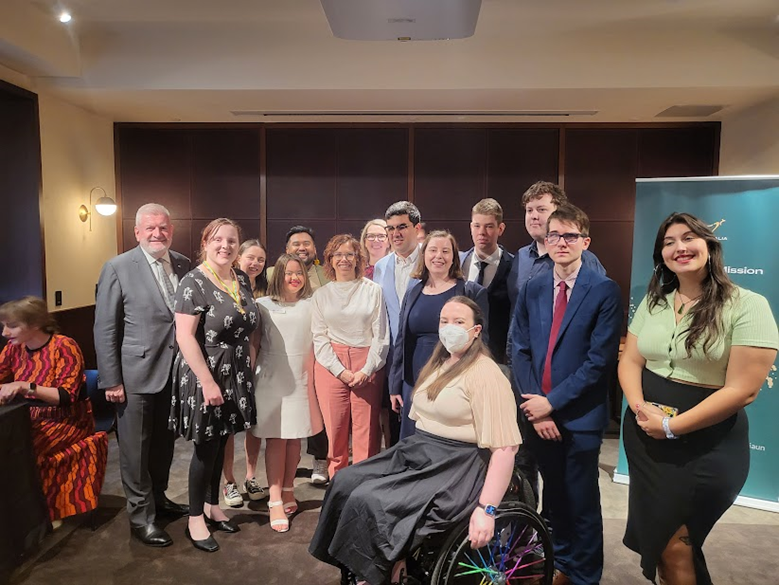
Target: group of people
469,348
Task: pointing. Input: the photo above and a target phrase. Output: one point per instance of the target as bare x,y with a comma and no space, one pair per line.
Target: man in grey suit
135,343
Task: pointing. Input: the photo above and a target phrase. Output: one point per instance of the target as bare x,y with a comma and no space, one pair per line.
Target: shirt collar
570,281
151,259
493,258
411,259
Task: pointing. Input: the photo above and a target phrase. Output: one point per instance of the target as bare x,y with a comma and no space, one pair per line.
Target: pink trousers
347,409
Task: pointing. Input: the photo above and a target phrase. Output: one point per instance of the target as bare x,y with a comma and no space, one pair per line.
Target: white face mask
453,337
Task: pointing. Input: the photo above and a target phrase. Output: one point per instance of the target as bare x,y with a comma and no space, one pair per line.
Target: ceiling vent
689,111
402,20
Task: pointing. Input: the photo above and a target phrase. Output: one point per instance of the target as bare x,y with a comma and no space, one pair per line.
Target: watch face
490,510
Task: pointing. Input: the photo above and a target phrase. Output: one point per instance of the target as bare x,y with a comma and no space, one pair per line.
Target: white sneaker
254,490
232,496
319,472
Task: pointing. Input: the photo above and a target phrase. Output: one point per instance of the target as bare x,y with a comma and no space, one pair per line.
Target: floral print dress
223,334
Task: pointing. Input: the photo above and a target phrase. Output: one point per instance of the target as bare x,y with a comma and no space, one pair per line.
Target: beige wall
77,154
750,141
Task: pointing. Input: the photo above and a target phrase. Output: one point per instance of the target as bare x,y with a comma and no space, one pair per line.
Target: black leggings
205,473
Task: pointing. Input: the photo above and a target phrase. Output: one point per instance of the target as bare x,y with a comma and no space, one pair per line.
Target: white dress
283,381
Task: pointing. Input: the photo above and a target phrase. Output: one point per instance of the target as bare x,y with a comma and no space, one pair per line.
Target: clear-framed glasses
376,237
400,228
553,238
342,255
289,273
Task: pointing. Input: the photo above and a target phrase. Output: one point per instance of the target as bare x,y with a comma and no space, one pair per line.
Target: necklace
685,303
232,291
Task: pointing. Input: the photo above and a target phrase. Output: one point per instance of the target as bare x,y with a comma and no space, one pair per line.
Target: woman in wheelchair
457,465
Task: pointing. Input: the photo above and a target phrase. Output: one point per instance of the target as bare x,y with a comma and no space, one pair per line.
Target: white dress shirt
403,269
166,264
493,261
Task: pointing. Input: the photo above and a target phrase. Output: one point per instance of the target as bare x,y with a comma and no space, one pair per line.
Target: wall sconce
104,206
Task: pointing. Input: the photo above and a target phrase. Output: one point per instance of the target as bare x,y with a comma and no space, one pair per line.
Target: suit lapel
178,265
578,294
545,304
504,266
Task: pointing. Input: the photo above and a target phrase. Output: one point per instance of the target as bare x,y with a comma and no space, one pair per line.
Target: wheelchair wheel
520,553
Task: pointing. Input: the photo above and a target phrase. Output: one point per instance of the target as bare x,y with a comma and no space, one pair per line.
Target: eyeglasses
554,238
400,228
376,237
342,255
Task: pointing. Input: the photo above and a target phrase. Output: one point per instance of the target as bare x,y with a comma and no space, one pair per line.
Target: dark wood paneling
77,324
517,158
677,152
155,167
22,261
449,171
371,170
612,243
301,173
515,236
225,174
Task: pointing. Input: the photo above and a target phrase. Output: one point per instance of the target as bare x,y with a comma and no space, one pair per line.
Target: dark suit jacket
500,304
402,352
134,330
584,354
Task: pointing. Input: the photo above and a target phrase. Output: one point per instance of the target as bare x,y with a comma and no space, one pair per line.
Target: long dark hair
706,326
261,281
276,285
440,354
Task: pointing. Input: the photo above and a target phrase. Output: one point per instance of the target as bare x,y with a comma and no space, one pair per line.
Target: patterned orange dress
71,457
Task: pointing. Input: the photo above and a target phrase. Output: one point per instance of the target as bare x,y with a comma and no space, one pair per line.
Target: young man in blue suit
488,264
565,339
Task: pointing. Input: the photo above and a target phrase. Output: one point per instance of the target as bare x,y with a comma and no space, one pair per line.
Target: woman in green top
697,352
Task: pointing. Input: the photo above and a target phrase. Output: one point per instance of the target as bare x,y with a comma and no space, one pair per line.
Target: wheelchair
520,552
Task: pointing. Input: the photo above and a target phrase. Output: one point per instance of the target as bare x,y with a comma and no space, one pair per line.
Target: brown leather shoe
561,578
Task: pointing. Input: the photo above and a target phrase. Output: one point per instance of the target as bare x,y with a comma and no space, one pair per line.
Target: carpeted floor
738,553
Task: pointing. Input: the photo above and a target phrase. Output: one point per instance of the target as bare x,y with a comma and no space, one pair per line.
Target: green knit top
748,321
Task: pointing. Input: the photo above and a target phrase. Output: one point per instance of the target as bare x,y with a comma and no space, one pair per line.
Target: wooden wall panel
155,167
449,171
371,171
516,159
78,324
301,173
678,152
225,174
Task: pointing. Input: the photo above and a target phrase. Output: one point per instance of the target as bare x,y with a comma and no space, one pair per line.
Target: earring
659,273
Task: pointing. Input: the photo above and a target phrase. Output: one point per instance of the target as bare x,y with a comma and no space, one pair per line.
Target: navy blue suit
584,355
500,304
402,377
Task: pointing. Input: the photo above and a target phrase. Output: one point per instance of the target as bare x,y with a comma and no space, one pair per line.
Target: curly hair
332,246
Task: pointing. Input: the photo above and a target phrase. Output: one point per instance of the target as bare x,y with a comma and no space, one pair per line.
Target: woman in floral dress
213,396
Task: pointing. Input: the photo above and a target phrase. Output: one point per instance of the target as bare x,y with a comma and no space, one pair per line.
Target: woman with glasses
374,243
284,383
351,341
441,279
698,350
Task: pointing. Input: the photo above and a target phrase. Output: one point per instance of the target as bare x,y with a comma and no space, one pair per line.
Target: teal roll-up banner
743,212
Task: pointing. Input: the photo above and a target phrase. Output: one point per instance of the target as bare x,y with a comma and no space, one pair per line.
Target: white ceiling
200,60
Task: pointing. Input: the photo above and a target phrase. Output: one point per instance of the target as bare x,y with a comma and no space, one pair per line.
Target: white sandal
290,507
278,525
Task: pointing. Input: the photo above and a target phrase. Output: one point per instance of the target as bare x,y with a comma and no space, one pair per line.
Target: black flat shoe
151,535
223,525
170,509
207,544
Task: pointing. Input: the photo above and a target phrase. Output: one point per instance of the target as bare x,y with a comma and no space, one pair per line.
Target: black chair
103,412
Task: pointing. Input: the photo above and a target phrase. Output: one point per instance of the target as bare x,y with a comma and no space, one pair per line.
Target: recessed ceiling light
65,16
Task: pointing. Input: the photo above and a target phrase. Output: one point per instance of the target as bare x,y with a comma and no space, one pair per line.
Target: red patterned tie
559,312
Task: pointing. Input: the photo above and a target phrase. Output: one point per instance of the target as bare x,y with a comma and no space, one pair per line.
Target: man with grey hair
135,344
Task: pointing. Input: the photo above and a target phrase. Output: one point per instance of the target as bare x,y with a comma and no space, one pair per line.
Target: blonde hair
488,206
276,284
363,247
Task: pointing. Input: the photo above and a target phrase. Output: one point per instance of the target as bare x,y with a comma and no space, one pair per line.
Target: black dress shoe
170,509
207,544
223,525
151,535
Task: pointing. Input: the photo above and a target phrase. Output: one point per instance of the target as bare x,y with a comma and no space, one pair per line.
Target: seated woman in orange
39,364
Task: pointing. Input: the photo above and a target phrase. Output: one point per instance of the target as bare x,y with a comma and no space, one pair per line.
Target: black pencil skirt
690,481
376,512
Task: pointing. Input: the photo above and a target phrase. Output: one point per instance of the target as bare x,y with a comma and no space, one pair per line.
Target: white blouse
352,314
